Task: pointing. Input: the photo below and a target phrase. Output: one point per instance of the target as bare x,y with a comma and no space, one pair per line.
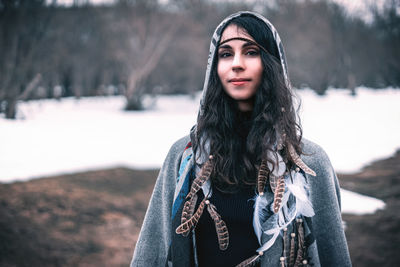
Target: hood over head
216,39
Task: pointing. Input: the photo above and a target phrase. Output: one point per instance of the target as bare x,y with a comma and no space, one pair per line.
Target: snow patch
354,203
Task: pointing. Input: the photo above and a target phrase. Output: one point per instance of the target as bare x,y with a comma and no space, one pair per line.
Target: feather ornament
281,224
282,260
300,243
297,186
262,177
285,243
259,215
273,182
277,170
220,227
250,262
291,254
207,190
299,162
185,227
270,242
202,178
279,191
191,197
188,208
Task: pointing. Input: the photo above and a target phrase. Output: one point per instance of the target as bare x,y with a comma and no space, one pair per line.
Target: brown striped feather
262,176
250,262
220,227
201,179
279,191
300,239
185,227
299,162
285,242
188,208
291,254
273,182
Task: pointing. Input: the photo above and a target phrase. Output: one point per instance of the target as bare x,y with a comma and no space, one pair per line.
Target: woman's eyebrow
244,45
249,44
224,46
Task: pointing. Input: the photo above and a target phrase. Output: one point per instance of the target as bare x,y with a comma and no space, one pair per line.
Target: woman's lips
239,81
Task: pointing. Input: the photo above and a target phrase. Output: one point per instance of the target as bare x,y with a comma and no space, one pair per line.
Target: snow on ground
91,133
354,203
53,137
354,131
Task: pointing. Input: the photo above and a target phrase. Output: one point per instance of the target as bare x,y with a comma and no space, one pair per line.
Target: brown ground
84,219
93,218
374,240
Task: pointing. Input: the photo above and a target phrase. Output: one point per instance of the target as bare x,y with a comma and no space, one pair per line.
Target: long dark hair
236,155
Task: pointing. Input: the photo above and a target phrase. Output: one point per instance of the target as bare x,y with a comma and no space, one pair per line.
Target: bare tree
153,49
22,25
387,24
150,33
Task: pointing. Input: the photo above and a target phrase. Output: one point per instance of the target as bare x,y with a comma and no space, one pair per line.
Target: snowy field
53,137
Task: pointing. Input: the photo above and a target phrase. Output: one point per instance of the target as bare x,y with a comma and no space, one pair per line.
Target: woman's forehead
233,31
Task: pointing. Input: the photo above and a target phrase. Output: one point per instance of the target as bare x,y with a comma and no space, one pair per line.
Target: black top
236,209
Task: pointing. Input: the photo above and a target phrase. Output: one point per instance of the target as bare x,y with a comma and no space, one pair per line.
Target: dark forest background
142,47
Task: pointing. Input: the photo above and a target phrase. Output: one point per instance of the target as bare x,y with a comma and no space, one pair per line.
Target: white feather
270,242
281,168
259,205
281,217
305,208
275,233
297,186
298,189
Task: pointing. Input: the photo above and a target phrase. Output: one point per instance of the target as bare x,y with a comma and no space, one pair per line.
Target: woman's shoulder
176,151
324,186
315,157
312,151
180,145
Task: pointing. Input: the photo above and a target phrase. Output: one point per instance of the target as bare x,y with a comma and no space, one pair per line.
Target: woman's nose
238,62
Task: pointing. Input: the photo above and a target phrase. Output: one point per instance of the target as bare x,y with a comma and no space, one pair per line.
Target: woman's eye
224,54
253,53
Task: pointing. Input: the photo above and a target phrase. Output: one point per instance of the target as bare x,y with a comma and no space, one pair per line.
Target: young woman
244,188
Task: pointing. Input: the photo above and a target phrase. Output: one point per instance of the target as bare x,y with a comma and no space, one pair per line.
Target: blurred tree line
137,47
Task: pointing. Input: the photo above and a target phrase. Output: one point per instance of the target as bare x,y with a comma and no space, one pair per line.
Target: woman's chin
241,97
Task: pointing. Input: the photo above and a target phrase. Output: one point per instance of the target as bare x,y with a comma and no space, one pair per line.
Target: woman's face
239,66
